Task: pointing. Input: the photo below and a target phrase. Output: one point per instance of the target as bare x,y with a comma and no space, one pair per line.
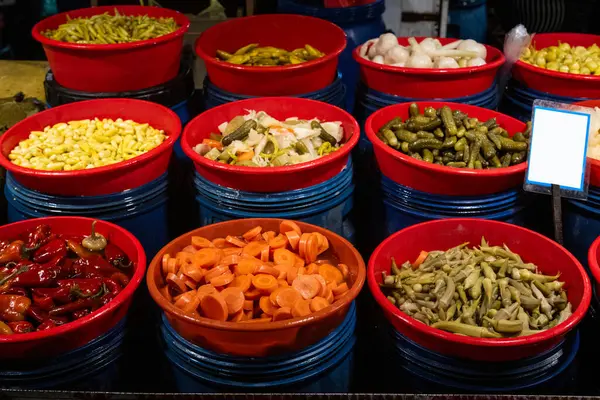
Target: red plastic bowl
429,83
549,256
594,262
77,333
594,164
102,180
554,82
285,31
270,179
113,67
437,179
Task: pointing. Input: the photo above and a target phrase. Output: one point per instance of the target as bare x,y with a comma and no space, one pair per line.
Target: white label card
557,152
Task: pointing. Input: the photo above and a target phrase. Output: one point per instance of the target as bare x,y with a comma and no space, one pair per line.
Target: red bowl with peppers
55,294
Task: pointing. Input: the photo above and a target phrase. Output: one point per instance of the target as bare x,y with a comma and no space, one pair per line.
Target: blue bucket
93,367
325,367
433,372
467,19
327,204
142,211
518,100
404,207
360,23
334,94
582,224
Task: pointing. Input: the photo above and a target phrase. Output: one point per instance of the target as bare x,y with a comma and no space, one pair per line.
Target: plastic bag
515,42
214,11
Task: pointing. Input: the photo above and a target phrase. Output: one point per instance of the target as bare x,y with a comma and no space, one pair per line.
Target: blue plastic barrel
93,367
325,367
360,23
518,100
327,204
142,211
431,372
404,207
334,94
582,224
467,19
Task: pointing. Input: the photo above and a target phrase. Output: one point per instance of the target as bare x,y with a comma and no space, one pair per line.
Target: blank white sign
558,148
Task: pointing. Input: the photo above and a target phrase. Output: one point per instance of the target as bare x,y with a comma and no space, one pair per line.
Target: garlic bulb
471,45
395,55
419,61
445,62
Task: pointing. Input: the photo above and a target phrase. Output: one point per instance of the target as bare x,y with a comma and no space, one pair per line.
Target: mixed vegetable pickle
48,279
453,139
253,55
84,144
260,276
565,58
259,140
486,291
111,29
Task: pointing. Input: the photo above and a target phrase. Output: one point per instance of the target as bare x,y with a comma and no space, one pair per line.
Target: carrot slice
299,262
292,273
323,243
253,294
328,295
301,308
278,242
307,286
204,290
201,242
238,316
222,280
330,273
344,270
282,313
283,283
323,284
232,251
422,256
288,297
165,263
243,282
293,238
254,249
265,316
216,271
207,257
175,283
189,282
284,257
189,249
172,266
273,296
302,271
248,305
318,303
266,306
185,299
312,268
235,241
214,307
267,269
265,283
221,243
252,233
340,289
213,143
245,156
234,297
184,258
247,266
282,271
311,251
269,235
302,244
287,225
166,293
193,272
193,305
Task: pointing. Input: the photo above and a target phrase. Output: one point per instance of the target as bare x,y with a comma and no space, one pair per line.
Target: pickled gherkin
454,139
253,55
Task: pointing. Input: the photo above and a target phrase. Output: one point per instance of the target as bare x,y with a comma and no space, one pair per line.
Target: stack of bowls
436,360
84,354
318,191
131,193
307,354
531,82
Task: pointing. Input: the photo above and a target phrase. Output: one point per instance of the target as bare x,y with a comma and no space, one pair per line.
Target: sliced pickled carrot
189,282
175,283
265,253
185,299
165,263
299,262
184,258
207,257
245,156
193,305
172,266
307,286
273,296
252,233
265,283
267,269
221,243
269,235
293,238
287,225
265,316
234,297
282,271
422,256
213,306
266,306
204,290
323,284
284,257
312,268
288,297
278,242
189,249
247,266
222,280
254,249
243,282
238,316
282,314
166,293
253,294
292,273
331,273
340,289
311,251
344,270
302,245
283,283
216,271
232,251
328,295
249,316
323,243
302,271
248,305
301,308
318,303
235,241
201,242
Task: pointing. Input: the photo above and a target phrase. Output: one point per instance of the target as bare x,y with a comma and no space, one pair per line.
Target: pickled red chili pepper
116,256
13,307
12,252
44,326
52,249
81,287
21,327
37,237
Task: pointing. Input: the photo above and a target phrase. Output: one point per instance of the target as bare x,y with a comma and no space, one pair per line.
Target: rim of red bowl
126,293
344,150
432,71
370,130
170,141
211,59
558,330
170,308
593,260
180,18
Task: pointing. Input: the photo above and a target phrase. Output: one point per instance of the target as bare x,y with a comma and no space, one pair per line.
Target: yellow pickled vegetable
269,56
565,58
75,145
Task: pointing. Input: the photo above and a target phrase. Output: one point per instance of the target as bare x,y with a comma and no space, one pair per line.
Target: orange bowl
258,339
